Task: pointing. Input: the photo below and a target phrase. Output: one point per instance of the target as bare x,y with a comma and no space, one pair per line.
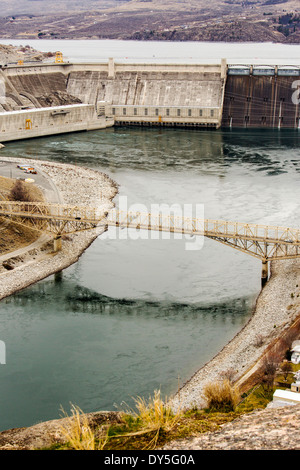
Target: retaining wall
25,124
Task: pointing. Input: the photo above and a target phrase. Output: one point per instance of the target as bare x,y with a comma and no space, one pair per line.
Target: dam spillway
194,96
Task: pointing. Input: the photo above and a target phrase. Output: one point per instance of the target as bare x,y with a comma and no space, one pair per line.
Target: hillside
37,7
180,20
264,429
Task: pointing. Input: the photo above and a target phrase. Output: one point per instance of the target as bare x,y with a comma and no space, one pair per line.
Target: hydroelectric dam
53,98
173,297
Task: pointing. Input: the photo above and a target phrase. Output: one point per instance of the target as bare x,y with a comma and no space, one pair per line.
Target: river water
136,314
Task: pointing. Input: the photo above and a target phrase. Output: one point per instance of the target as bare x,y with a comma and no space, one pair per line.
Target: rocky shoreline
276,316
12,54
96,189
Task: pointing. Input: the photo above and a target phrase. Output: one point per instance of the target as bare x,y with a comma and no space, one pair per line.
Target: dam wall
154,94
33,87
26,124
262,98
143,94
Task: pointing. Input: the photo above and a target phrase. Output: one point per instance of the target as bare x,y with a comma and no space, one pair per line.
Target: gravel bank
75,185
277,308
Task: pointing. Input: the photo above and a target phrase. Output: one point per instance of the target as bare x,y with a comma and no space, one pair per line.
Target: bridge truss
264,242
261,241
54,219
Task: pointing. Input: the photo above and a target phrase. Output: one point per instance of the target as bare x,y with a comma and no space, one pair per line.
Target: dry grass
141,429
78,433
153,423
151,426
6,185
221,396
14,236
154,417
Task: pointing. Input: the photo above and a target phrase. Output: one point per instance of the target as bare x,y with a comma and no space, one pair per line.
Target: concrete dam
44,99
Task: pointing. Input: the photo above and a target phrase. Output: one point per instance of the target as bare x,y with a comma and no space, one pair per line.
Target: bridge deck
262,241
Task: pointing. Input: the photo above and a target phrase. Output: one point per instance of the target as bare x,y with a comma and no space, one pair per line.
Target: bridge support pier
58,276
57,243
264,273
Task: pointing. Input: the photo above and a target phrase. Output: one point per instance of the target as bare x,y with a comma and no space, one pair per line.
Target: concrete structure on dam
29,123
262,97
100,95
154,94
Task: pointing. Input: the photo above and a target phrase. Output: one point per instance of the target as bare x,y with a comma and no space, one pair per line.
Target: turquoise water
138,314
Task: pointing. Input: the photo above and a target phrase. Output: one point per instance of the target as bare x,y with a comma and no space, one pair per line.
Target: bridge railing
205,227
152,221
51,211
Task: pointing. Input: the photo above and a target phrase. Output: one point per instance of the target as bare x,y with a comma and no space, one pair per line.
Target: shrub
270,366
286,368
19,192
259,340
154,417
228,374
221,396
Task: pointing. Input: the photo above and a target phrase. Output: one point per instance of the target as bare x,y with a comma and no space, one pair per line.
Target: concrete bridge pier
57,243
58,276
264,272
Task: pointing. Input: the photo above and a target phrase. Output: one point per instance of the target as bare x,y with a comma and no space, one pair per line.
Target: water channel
135,314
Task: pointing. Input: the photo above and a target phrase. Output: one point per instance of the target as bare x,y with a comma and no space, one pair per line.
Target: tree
19,192
286,369
270,366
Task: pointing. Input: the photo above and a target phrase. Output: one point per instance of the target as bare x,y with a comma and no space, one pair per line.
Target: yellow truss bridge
264,242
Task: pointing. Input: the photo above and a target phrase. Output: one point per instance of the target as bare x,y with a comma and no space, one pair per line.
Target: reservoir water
94,50
134,315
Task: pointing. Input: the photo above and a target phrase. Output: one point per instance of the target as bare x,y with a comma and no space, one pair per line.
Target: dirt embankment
12,236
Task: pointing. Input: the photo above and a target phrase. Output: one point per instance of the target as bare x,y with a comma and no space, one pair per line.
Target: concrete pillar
58,276
149,221
223,68
57,243
111,68
264,273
